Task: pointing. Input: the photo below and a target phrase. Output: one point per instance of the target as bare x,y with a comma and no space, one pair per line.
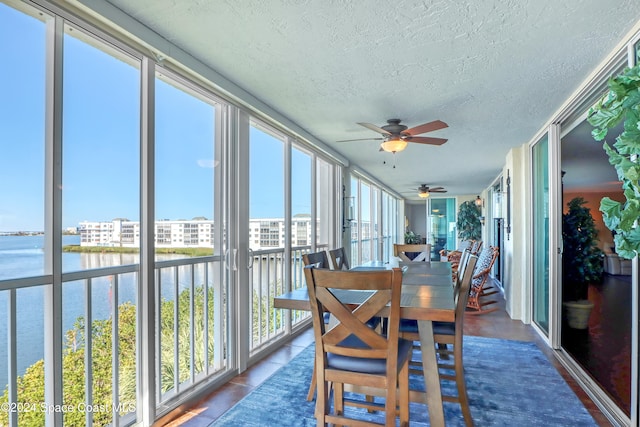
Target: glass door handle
250,264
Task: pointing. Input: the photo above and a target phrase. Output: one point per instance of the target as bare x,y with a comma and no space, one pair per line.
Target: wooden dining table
427,296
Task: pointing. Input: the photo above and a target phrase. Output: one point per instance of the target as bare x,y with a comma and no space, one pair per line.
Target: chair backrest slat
462,268
317,259
465,285
423,251
339,259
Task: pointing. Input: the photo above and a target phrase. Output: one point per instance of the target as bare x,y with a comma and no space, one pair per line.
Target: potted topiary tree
582,262
468,223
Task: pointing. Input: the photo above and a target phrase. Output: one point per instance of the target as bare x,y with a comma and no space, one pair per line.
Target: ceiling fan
396,135
424,190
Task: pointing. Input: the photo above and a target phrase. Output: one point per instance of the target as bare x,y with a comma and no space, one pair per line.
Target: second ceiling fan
424,190
396,135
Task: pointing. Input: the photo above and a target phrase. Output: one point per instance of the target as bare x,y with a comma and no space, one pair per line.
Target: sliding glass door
442,216
541,233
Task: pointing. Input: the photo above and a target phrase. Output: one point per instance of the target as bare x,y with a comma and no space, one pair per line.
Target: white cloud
207,163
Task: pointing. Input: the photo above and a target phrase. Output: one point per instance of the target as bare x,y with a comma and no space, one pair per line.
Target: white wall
417,215
515,277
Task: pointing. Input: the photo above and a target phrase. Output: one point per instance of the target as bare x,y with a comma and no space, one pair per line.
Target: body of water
23,256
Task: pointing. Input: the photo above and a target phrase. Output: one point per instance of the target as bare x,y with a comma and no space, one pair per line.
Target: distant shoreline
32,233
120,250
21,233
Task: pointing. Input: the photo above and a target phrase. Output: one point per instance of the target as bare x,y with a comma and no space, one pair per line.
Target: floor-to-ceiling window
387,225
267,232
540,179
101,192
327,227
306,228
92,142
365,222
302,229
352,214
22,191
373,224
189,235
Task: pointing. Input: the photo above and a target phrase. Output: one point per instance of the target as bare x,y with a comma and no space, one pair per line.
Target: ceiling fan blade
426,140
437,189
361,139
375,128
427,127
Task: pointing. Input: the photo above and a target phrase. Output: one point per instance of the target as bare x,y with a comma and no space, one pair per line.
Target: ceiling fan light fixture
423,194
394,145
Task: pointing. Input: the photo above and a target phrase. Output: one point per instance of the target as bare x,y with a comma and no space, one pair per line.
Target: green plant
468,223
411,238
622,103
581,257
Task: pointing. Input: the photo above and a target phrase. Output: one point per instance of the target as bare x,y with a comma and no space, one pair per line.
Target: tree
468,223
31,383
581,257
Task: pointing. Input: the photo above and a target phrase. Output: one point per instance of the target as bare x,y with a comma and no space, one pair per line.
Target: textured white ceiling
495,71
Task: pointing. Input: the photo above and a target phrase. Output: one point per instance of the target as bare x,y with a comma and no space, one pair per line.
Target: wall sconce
479,202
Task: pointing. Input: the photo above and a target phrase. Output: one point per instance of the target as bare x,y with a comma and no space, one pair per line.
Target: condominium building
120,232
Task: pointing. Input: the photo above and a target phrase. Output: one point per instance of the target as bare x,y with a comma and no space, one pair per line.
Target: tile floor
496,324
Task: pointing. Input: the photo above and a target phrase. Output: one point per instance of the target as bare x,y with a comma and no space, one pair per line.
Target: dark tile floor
604,349
496,324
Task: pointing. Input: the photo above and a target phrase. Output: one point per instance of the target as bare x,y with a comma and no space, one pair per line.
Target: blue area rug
509,383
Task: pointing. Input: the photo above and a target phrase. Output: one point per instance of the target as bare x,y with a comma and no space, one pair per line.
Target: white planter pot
578,313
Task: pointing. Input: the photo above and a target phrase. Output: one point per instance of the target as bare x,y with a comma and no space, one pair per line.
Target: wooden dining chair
318,260
339,259
456,270
409,328
351,352
447,334
422,251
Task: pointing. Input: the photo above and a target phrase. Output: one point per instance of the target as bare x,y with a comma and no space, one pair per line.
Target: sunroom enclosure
140,151
112,151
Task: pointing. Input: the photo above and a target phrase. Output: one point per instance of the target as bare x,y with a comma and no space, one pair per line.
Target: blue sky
101,140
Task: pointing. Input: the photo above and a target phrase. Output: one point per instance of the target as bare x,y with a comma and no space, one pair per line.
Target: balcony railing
267,273
100,339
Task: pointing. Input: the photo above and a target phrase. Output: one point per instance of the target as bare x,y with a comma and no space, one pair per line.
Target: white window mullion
12,353
240,313
88,352
555,236
219,282
53,393
115,345
146,396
